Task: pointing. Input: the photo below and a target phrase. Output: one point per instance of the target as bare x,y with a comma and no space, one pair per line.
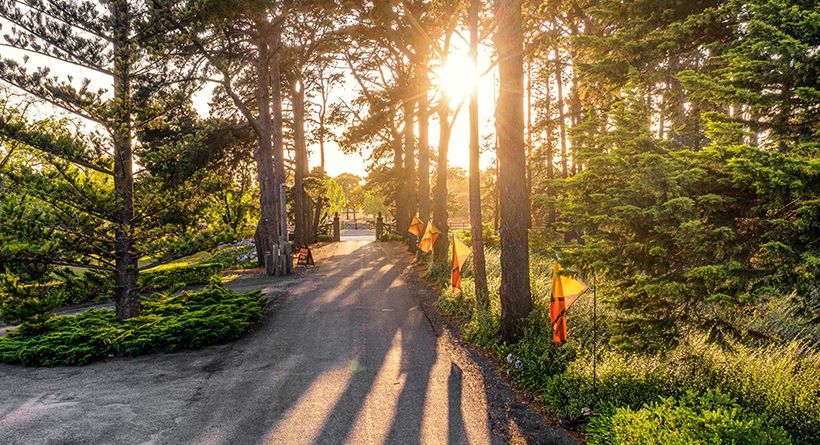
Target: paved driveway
345,355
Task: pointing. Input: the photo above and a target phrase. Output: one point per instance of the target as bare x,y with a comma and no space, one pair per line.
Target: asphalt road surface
357,235
345,355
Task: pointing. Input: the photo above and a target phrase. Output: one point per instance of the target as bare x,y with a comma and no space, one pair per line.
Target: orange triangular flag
416,227
565,290
460,254
429,238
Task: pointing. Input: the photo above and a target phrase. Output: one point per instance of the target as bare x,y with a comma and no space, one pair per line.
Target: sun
458,76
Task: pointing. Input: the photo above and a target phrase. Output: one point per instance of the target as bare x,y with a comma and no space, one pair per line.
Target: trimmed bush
168,323
710,418
189,275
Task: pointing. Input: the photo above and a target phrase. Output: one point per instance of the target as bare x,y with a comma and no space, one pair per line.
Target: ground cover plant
168,323
189,275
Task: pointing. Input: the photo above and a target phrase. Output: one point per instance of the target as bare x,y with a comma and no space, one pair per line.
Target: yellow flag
565,290
460,254
429,238
416,226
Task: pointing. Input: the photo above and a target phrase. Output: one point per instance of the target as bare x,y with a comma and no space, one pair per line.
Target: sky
455,76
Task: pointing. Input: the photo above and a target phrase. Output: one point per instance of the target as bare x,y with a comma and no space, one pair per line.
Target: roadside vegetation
168,323
761,391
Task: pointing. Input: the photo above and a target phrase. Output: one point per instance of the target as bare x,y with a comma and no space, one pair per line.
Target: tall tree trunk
575,104
529,145
409,156
550,151
559,72
402,223
314,233
423,117
127,297
440,248
267,228
496,196
516,302
278,141
301,168
479,265
559,83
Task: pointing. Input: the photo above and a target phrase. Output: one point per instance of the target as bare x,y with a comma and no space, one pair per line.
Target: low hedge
187,275
167,323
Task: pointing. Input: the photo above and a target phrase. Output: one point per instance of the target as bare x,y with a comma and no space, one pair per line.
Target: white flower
509,371
518,364
510,358
585,411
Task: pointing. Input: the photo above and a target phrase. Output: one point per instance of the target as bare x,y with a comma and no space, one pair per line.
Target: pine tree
125,43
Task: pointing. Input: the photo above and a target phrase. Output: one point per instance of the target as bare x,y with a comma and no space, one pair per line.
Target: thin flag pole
594,339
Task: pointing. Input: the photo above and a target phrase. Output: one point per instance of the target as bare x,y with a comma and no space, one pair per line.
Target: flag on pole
565,290
416,227
429,238
460,254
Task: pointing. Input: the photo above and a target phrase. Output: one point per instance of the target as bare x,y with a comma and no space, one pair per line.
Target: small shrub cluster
167,323
391,237
90,286
709,418
488,235
163,278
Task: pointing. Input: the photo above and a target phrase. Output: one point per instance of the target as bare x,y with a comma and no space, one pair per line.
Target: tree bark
559,83
529,145
278,142
409,156
440,248
402,223
479,264
550,152
267,227
126,297
516,302
423,116
301,168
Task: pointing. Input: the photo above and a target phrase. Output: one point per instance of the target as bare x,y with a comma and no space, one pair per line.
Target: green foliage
710,418
162,278
168,323
693,239
488,235
373,204
391,237
336,199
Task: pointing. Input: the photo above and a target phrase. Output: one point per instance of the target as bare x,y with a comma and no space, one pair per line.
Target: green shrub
189,275
534,359
91,286
167,323
325,238
391,237
710,418
781,383
488,235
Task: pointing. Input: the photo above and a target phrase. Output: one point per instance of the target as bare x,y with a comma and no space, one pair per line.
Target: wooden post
270,264
337,234
379,226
